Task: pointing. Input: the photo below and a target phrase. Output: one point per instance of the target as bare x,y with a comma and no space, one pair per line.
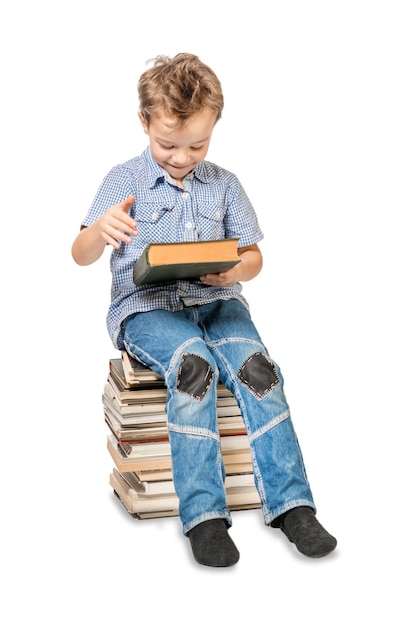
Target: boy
196,332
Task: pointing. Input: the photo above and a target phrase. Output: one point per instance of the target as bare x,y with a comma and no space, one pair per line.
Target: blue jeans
192,349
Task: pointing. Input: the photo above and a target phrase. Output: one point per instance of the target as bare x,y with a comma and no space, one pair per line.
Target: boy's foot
303,529
211,544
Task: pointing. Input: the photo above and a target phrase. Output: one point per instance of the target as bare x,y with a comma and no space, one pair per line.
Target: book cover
163,262
125,434
155,431
230,444
147,504
133,396
141,416
132,372
235,461
145,406
142,488
136,502
125,464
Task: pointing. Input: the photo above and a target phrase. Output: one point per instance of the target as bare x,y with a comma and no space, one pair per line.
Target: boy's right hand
116,225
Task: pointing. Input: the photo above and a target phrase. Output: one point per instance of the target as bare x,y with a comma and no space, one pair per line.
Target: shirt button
185,195
217,213
189,225
154,216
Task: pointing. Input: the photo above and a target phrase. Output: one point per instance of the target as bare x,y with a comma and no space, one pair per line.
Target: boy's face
179,149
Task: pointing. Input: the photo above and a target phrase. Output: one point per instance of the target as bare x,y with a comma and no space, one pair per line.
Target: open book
162,262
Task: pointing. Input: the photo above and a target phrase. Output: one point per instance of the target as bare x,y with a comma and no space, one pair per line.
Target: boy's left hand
250,265
225,279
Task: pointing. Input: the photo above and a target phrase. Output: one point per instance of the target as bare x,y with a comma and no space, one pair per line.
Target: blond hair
179,86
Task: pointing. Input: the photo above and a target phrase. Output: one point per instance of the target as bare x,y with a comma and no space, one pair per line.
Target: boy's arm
112,227
250,265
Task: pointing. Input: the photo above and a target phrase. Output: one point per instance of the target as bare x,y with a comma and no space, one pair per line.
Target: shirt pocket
153,220
211,220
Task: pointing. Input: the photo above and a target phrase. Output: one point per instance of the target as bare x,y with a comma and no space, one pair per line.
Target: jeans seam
179,351
271,424
194,431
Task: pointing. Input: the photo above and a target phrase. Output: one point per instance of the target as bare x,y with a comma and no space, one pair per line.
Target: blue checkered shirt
213,205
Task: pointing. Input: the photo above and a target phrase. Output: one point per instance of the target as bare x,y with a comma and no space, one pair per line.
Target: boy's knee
194,376
258,374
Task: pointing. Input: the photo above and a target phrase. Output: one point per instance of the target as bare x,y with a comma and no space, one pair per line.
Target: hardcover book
165,503
162,262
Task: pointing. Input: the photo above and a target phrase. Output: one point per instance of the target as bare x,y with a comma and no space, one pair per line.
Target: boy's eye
165,147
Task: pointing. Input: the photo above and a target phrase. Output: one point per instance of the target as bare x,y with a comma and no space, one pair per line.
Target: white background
320,127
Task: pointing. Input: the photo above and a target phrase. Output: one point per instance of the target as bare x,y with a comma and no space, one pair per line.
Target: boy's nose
181,158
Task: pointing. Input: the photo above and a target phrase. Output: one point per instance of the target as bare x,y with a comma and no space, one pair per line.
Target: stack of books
134,399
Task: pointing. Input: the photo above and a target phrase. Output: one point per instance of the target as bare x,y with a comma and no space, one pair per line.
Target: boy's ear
143,122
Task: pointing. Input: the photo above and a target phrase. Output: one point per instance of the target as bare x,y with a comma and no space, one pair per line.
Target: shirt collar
204,173
154,172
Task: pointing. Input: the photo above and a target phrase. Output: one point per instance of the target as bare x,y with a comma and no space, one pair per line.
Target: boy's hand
116,225
225,279
250,265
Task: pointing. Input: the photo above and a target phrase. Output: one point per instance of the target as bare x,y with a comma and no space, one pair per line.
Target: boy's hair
180,86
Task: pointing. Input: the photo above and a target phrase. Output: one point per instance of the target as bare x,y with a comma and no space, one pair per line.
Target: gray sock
303,529
212,545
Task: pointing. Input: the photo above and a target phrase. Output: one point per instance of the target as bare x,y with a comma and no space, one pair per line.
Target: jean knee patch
259,375
194,376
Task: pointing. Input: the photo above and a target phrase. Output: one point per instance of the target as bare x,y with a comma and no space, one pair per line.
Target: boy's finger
126,204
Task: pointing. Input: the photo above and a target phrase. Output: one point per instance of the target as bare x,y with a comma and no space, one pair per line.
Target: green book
185,260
